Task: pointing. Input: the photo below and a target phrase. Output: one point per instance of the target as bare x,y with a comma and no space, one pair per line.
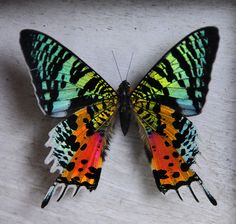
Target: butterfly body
174,88
124,106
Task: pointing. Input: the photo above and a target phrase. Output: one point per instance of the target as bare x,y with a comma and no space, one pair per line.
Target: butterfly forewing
180,79
62,81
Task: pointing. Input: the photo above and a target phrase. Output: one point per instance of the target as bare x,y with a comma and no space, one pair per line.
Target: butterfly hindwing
78,147
62,81
169,141
171,145
180,79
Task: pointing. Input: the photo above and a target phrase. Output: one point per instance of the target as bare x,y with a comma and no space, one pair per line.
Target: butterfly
173,89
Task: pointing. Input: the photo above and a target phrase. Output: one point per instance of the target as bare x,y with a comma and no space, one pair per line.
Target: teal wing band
62,81
180,79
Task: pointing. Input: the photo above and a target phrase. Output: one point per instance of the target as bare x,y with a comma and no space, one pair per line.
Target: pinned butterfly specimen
174,88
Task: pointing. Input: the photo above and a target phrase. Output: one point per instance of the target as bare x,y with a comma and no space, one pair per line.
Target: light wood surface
126,191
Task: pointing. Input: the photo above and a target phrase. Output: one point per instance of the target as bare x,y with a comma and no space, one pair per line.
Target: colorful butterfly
175,87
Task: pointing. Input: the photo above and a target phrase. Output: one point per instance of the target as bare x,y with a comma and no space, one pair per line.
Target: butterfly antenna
116,65
129,65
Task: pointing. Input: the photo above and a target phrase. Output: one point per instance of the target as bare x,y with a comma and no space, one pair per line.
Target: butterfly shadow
36,128
142,165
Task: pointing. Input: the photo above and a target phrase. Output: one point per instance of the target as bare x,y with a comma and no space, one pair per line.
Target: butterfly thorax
124,106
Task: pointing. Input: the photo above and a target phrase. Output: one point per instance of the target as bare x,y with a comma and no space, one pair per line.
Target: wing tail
208,194
49,194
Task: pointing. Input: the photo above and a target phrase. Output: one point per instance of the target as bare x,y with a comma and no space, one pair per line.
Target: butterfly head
124,87
124,106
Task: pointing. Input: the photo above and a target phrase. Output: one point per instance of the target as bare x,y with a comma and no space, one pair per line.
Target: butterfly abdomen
124,106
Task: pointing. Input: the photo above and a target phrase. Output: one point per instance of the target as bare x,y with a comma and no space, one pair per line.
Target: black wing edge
195,177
